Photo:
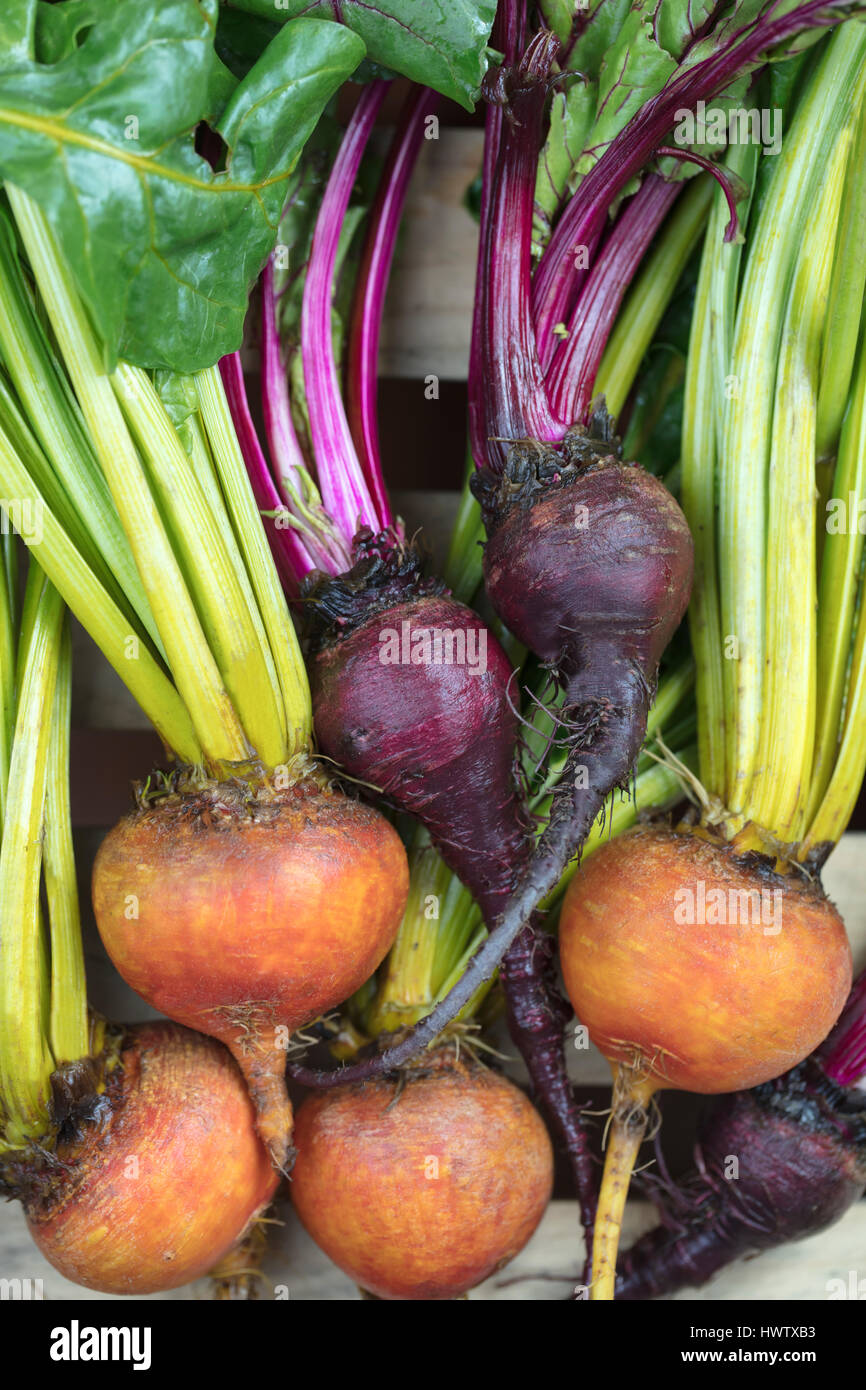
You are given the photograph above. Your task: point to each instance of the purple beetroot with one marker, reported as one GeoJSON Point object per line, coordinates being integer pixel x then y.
{"type": "Point", "coordinates": [589, 563]}
{"type": "Point", "coordinates": [411, 693]}
{"type": "Point", "coordinates": [800, 1148]}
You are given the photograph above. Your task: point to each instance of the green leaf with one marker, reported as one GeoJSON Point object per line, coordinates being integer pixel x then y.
{"type": "Point", "coordinates": [17, 24]}
{"type": "Point", "coordinates": [603, 21]}
{"type": "Point", "coordinates": [558, 16]}
{"type": "Point", "coordinates": [180, 398]}
{"type": "Point", "coordinates": [573, 110]}
{"type": "Point", "coordinates": [626, 54]}
{"type": "Point", "coordinates": [622, 65]}
{"type": "Point", "coordinates": [441, 43]}
{"type": "Point", "coordinates": [635, 68]}
{"type": "Point", "coordinates": [571, 117]}
{"type": "Point", "coordinates": [241, 39]}
{"type": "Point", "coordinates": [163, 250]}
{"type": "Point", "coordinates": [675, 24]}
{"type": "Point", "coordinates": [60, 29]}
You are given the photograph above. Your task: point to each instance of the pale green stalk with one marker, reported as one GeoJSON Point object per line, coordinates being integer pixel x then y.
{"type": "Point", "coordinates": [406, 990]}
{"type": "Point", "coordinates": [69, 1031]}
{"type": "Point", "coordinates": [840, 798]}
{"type": "Point", "coordinates": [787, 734]}
{"type": "Point", "coordinates": [205, 472]}
{"type": "Point", "coordinates": [7, 663]}
{"type": "Point", "coordinates": [846, 299]}
{"type": "Point", "coordinates": [840, 583]}
{"type": "Point", "coordinates": [706, 385]}
{"type": "Point", "coordinates": [462, 572]}
{"type": "Point", "coordinates": [253, 544]}
{"type": "Point", "coordinates": [25, 1060]}
{"type": "Point", "coordinates": [77, 490]}
{"type": "Point", "coordinates": [698, 458]}
{"type": "Point", "coordinates": [107, 625]}
{"type": "Point", "coordinates": [191, 662]}
{"type": "Point", "coordinates": [461, 922]}
{"type": "Point", "coordinates": [650, 294]}
{"type": "Point", "coordinates": [207, 566]}
{"type": "Point", "coordinates": [776, 239]}
{"type": "Point", "coordinates": [23, 440]}
{"type": "Point", "coordinates": [726, 262]}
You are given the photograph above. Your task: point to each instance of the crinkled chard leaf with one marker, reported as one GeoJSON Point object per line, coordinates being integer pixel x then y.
{"type": "Point", "coordinates": [622, 58]}
{"type": "Point", "coordinates": [635, 67]}
{"type": "Point", "coordinates": [441, 43]}
{"type": "Point", "coordinates": [165, 251]}
{"type": "Point", "coordinates": [676, 25]}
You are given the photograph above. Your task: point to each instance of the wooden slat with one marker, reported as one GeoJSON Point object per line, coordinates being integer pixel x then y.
{"type": "Point", "coordinates": [427, 321]}
{"type": "Point", "coordinates": [547, 1269]}
{"type": "Point", "coordinates": [428, 312]}
{"type": "Point", "coordinates": [103, 765]}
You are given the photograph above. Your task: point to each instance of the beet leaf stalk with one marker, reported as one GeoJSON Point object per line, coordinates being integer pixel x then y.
{"type": "Point", "coordinates": [45, 1038]}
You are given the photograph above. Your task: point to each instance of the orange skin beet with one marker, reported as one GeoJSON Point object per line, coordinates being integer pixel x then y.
{"type": "Point", "coordinates": [701, 1007]}
{"type": "Point", "coordinates": [424, 1193]}
{"type": "Point", "coordinates": [170, 1178]}
{"type": "Point", "coordinates": [248, 924]}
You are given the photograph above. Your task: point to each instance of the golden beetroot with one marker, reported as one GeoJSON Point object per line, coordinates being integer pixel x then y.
{"type": "Point", "coordinates": [248, 918]}
{"type": "Point", "coordinates": [423, 1187]}
{"type": "Point", "coordinates": [716, 1004]}
{"type": "Point", "coordinates": [169, 1177]}
{"type": "Point", "coordinates": [693, 968]}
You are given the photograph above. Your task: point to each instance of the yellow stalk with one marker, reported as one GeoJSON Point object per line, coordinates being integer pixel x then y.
{"type": "Point", "coordinates": [783, 765]}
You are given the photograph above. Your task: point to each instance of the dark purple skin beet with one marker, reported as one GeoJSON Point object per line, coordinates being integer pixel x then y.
{"type": "Point", "coordinates": [537, 1015]}
{"type": "Point", "coordinates": [800, 1142]}
{"type": "Point", "coordinates": [589, 563]}
{"type": "Point", "coordinates": [602, 556]}
{"type": "Point", "coordinates": [438, 738]}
